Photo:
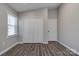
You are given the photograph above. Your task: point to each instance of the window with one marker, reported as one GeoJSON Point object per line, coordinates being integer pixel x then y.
{"type": "Point", "coordinates": [12, 22]}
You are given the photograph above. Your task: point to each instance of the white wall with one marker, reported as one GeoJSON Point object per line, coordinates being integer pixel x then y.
{"type": "Point", "coordinates": [52, 14]}
{"type": "Point", "coordinates": [45, 25]}
{"type": "Point", "coordinates": [34, 14]}
{"type": "Point", "coordinates": [68, 25]}
{"type": "Point", "coordinates": [5, 42]}
{"type": "Point", "coordinates": [52, 24]}
{"type": "Point", "coordinates": [48, 16]}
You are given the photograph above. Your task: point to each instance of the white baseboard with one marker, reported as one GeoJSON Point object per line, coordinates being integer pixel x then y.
{"type": "Point", "coordinates": [8, 48]}
{"type": "Point", "coordinates": [19, 42]}
{"type": "Point", "coordinates": [45, 42]}
{"type": "Point", "coordinates": [52, 40]}
{"type": "Point", "coordinates": [73, 50]}
{"type": "Point", "coordinates": [32, 42]}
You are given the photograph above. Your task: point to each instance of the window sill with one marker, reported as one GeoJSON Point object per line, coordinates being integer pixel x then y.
{"type": "Point", "coordinates": [12, 36]}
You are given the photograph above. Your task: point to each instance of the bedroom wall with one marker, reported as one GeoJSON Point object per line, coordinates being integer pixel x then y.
{"type": "Point", "coordinates": [5, 41]}
{"type": "Point", "coordinates": [29, 15]}
{"type": "Point", "coordinates": [68, 25]}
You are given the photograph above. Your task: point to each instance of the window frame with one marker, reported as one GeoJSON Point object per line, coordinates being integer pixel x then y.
{"type": "Point", "coordinates": [15, 26]}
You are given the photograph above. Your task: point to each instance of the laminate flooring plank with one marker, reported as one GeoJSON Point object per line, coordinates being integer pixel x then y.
{"type": "Point", "coordinates": [38, 49]}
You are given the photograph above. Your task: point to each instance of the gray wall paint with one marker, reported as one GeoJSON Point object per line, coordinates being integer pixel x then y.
{"type": "Point", "coordinates": [34, 14]}
{"type": "Point", "coordinates": [30, 15]}
{"type": "Point", "coordinates": [45, 25]}
{"type": "Point", "coordinates": [5, 42]}
{"type": "Point", "coordinates": [44, 14]}
{"type": "Point", "coordinates": [68, 25]}
{"type": "Point", "coordinates": [52, 14]}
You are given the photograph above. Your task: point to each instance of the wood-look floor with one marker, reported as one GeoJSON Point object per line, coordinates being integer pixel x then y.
{"type": "Point", "coordinates": [38, 49]}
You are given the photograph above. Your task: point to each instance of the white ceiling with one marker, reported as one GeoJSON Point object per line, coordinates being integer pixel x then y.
{"type": "Point", "coordinates": [21, 7]}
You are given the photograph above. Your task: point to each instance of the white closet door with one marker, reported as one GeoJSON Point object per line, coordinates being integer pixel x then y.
{"type": "Point", "coordinates": [52, 30]}
{"type": "Point", "coordinates": [33, 31]}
